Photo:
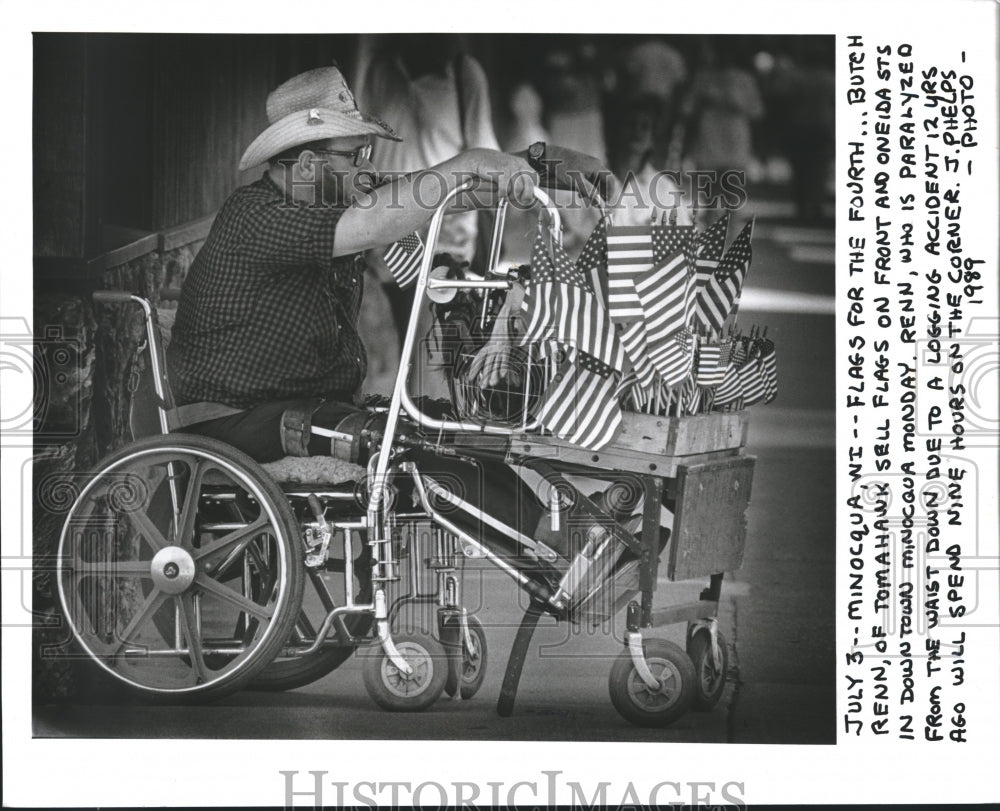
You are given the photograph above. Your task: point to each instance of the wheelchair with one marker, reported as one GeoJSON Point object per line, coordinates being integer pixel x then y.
{"type": "Point", "coordinates": [188, 571]}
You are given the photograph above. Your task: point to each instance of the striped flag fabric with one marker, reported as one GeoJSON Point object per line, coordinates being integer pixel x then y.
{"type": "Point", "coordinates": [752, 381]}
{"type": "Point", "coordinates": [711, 363]}
{"type": "Point", "coordinates": [540, 303]}
{"type": "Point", "coordinates": [665, 293]}
{"type": "Point", "coordinates": [562, 306]}
{"type": "Point", "coordinates": [630, 254]}
{"type": "Point", "coordinates": [769, 369]}
{"type": "Point", "coordinates": [637, 396]}
{"type": "Point", "coordinates": [741, 349]}
{"type": "Point", "coordinates": [593, 259]}
{"type": "Point", "coordinates": [579, 404]}
{"type": "Point", "coordinates": [633, 338]}
{"type": "Point", "coordinates": [673, 356]}
{"type": "Point", "coordinates": [710, 245]}
{"type": "Point", "coordinates": [717, 297]}
{"type": "Point", "coordinates": [671, 239]}
{"type": "Point", "coordinates": [729, 390]}
{"type": "Point", "coordinates": [403, 259]}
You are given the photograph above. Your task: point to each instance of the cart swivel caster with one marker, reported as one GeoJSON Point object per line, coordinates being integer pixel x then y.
{"type": "Point", "coordinates": [643, 704]}
{"type": "Point", "coordinates": [466, 655]}
{"type": "Point", "coordinates": [710, 666]}
{"type": "Point", "coordinates": [394, 690]}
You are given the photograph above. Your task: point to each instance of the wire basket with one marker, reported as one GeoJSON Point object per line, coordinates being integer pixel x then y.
{"type": "Point", "coordinates": [510, 401]}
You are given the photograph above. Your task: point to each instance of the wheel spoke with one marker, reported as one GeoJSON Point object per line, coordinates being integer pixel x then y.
{"type": "Point", "coordinates": [193, 635]}
{"type": "Point", "coordinates": [155, 599]}
{"type": "Point", "coordinates": [147, 529]}
{"type": "Point", "coordinates": [304, 628]}
{"type": "Point", "coordinates": [241, 536]}
{"type": "Point", "coordinates": [113, 568]}
{"type": "Point", "coordinates": [189, 510]}
{"type": "Point", "coordinates": [233, 596]}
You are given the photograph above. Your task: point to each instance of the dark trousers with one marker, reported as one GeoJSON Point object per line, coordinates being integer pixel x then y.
{"type": "Point", "coordinates": [481, 488]}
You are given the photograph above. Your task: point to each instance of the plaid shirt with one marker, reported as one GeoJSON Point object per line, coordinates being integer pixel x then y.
{"type": "Point", "coordinates": [266, 312]}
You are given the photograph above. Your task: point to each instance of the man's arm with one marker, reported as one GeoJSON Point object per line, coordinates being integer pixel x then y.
{"type": "Point", "coordinates": [403, 205]}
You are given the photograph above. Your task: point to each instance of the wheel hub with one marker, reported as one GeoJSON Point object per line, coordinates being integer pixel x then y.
{"type": "Point", "coordinates": [172, 569]}
{"type": "Point", "coordinates": [666, 690]}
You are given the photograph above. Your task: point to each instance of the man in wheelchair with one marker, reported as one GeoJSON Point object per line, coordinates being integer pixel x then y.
{"type": "Point", "coordinates": [266, 336]}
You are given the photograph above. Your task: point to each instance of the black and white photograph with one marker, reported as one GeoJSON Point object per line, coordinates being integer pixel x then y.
{"type": "Point", "coordinates": [591, 438]}
{"type": "Point", "coordinates": [434, 391]}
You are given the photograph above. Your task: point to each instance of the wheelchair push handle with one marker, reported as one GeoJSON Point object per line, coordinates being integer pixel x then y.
{"type": "Point", "coordinates": [114, 297]}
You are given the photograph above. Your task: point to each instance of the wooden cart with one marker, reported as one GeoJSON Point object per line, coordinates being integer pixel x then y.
{"type": "Point", "coordinates": [698, 466]}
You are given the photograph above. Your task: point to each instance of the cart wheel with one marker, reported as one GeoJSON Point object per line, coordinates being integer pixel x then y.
{"type": "Point", "coordinates": [466, 666]}
{"type": "Point", "coordinates": [645, 707]}
{"type": "Point", "coordinates": [395, 691]}
{"type": "Point", "coordinates": [290, 672]}
{"type": "Point", "coordinates": [168, 600]}
{"type": "Point", "coordinates": [710, 676]}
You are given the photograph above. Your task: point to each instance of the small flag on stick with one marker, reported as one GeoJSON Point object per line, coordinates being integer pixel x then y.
{"type": "Point", "coordinates": [403, 259]}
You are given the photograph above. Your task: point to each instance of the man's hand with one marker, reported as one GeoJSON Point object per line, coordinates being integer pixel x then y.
{"type": "Point", "coordinates": [510, 174]}
{"type": "Point", "coordinates": [568, 169]}
{"type": "Point", "coordinates": [496, 361]}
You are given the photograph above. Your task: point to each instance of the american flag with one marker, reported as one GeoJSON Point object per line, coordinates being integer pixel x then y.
{"type": "Point", "coordinates": [716, 299]}
{"type": "Point", "coordinates": [633, 337]}
{"type": "Point", "coordinates": [666, 294]}
{"type": "Point", "coordinates": [539, 303]}
{"type": "Point", "coordinates": [752, 381]}
{"type": "Point", "coordinates": [593, 259]}
{"type": "Point", "coordinates": [710, 367]}
{"type": "Point", "coordinates": [769, 368]}
{"type": "Point", "coordinates": [579, 404]}
{"type": "Point", "coordinates": [711, 244]}
{"type": "Point", "coordinates": [636, 396]}
{"type": "Point", "coordinates": [563, 307]}
{"type": "Point", "coordinates": [741, 349]}
{"type": "Point", "coordinates": [403, 259]}
{"type": "Point", "coordinates": [729, 390]}
{"type": "Point", "coordinates": [673, 356]}
{"type": "Point", "coordinates": [630, 254]}
{"type": "Point", "coordinates": [669, 239]}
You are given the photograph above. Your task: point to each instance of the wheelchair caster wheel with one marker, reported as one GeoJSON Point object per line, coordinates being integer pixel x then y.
{"type": "Point", "coordinates": [710, 675]}
{"type": "Point", "coordinates": [466, 664]}
{"type": "Point", "coordinates": [647, 706]}
{"type": "Point", "coordinates": [396, 691]}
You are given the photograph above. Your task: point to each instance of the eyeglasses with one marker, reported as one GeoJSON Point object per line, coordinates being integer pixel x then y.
{"type": "Point", "coordinates": [359, 155]}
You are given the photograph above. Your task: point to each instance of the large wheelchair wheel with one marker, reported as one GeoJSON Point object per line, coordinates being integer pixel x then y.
{"type": "Point", "coordinates": [292, 671]}
{"type": "Point", "coordinates": [166, 586]}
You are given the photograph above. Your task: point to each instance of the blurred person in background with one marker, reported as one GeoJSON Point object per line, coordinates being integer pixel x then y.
{"type": "Point", "coordinates": [641, 129]}
{"type": "Point", "coordinates": [526, 126]}
{"type": "Point", "coordinates": [721, 105]}
{"type": "Point", "coordinates": [571, 81]}
{"type": "Point", "coordinates": [437, 97]}
{"type": "Point", "coordinates": [801, 91]}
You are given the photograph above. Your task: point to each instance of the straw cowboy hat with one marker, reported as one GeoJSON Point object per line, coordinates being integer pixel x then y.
{"type": "Point", "coordinates": [312, 106]}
